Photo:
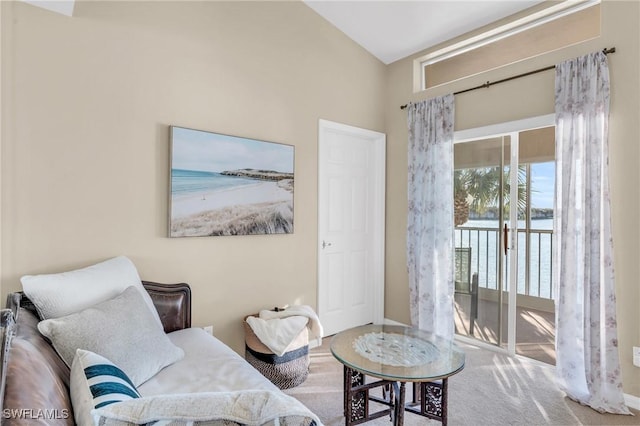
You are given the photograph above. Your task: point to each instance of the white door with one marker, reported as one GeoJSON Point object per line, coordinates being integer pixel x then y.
{"type": "Point", "coordinates": [351, 197]}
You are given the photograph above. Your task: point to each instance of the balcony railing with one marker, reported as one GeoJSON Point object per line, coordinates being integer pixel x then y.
{"type": "Point", "coordinates": [534, 258]}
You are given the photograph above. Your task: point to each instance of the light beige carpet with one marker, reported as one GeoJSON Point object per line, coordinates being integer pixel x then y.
{"type": "Point", "coordinates": [493, 389]}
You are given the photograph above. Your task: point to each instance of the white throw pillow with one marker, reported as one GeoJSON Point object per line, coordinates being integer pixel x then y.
{"type": "Point", "coordinates": [56, 295]}
{"type": "Point", "coordinates": [96, 382]}
{"type": "Point", "coordinates": [121, 329]}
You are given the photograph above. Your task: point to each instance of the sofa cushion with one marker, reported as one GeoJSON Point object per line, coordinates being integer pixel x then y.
{"type": "Point", "coordinates": [56, 295]}
{"type": "Point", "coordinates": [97, 382]}
{"type": "Point", "coordinates": [121, 329]}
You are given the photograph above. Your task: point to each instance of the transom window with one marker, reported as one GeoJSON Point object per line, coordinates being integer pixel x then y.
{"type": "Point", "coordinates": [544, 31]}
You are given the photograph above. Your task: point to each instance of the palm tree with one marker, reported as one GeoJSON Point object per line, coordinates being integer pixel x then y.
{"type": "Point", "coordinates": [479, 189]}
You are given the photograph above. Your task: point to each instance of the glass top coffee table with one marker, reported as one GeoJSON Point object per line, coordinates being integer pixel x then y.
{"type": "Point", "coordinates": [395, 355]}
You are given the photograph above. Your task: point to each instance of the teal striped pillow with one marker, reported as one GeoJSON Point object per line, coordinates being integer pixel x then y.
{"type": "Point", "coordinates": [97, 382]}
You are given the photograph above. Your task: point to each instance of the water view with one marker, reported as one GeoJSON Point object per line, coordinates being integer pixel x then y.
{"type": "Point", "coordinates": [477, 197]}
{"type": "Point", "coordinates": [483, 238]}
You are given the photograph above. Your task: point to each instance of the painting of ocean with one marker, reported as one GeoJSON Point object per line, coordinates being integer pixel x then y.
{"type": "Point", "coordinates": [228, 185]}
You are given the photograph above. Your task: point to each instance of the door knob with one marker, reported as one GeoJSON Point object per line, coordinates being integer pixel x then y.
{"type": "Point", "coordinates": [325, 244]}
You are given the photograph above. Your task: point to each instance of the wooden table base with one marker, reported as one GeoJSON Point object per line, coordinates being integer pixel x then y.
{"type": "Point", "coordinates": [429, 399]}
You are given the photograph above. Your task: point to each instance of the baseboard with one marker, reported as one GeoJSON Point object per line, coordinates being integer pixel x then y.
{"type": "Point", "coordinates": [314, 343]}
{"type": "Point", "coordinates": [388, 321]}
{"type": "Point", "coordinates": [632, 401]}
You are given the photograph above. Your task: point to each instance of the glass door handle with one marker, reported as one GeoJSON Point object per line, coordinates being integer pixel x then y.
{"type": "Point", "coordinates": [506, 238]}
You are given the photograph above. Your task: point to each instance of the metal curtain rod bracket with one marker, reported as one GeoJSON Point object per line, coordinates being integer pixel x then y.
{"type": "Point", "coordinates": [488, 84]}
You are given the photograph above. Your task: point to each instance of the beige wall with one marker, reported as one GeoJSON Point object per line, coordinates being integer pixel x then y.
{"type": "Point", "coordinates": [528, 97]}
{"type": "Point", "coordinates": [87, 102]}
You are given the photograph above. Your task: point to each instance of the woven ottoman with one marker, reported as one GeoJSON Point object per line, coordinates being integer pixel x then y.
{"type": "Point", "coordinates": [286, 371]}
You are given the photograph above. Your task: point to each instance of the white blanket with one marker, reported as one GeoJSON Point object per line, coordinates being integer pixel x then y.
{"type": "Point", "coordinates": [208, 366]}
{"type": "Point", "coordinates": [277, 330]}
{"type": "Point", "coordinates": [250, 407]}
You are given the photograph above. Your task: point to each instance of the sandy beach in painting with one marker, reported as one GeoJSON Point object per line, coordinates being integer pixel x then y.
{"type": "Point", "coordinates": [260, 192]}
{"type": "Point", "coordinates": [257, 208]}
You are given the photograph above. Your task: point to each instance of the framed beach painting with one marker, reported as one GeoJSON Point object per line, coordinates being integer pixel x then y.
{"type": "Point", "coordinates": [229, 185]}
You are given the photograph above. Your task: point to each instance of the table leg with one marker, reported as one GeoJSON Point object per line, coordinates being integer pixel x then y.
{"type": "Point", "coordinates": [416, 393]}
{"type": "Point", "coordinates": [357, 396]}
{"type": "Point", "coordinates": [434, 401]}
{"type": "Point", "coordinates": [346, 387]}
{"type": "Point", "coordinates": [399, 408]}
{"type": "Point", "coordinates": [355, 402]}
{"type": "Point", "coordinates": [445, 392]}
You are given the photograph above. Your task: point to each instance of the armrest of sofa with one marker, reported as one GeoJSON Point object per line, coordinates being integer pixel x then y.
{"type": "Point", "coordinates": [7, 325]}
{"type": "Point", "coordinates": [173, 302]}
{"type": "Point", "coordinates": [34, 379]}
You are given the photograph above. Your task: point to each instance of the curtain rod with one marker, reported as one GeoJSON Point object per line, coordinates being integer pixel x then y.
{"type": "Point", "coordinates": [606, 51]}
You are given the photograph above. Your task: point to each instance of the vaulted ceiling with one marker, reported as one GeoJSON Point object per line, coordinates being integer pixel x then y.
{"type": "Point", "coordinates": [392, 29]}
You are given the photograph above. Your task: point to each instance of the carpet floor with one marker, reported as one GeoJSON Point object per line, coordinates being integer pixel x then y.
{"type": "Point", "coordinates": [493, 389]}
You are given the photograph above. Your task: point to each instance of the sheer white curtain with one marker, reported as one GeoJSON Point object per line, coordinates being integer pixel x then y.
{"type": "Point", "coordinates": [430, 217]}
{"type": "Point", "coordinates": [586, 338]}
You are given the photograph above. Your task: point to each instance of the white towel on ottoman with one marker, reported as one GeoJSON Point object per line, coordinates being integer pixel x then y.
{"type": "Point", "coordinates": [278, 329]}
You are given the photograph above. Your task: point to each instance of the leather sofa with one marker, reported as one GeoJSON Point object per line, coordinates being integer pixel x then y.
{"type": "Point", "coordinates": [34, 383]}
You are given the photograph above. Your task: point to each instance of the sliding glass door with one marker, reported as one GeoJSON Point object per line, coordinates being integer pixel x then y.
{"type": "Point", "coordinates": [503, 196]}
{"type": "Point", "coordinates": [482, 214]}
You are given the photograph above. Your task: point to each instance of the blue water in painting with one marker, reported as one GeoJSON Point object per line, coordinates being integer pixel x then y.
{"type": "Point", "coordinates": [191, 182]}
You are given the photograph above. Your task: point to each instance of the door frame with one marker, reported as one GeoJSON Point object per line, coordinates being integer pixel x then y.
{"type": "Point", "coordinates": [377, 215]}
{"type": "Point", "coordinates": [511, 128]}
